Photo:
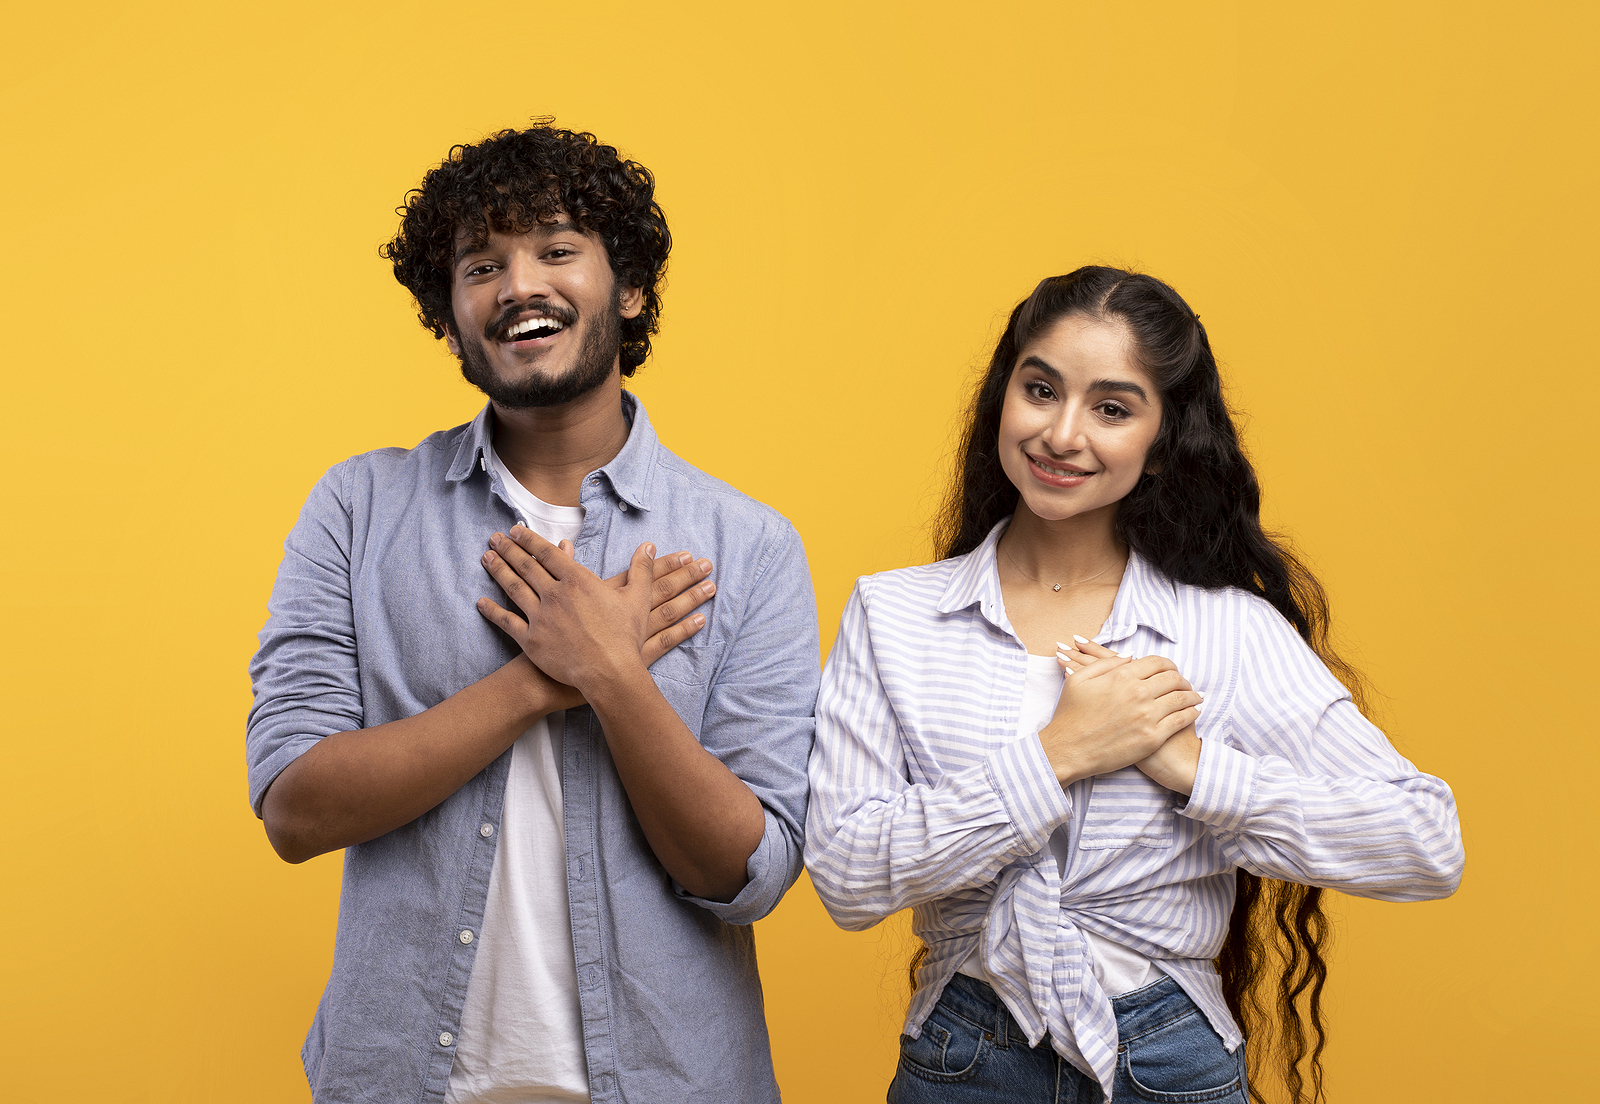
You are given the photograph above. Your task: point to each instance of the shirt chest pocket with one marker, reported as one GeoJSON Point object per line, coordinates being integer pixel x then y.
{"type": "Point", "coordinates": [1126, 809]}
{"type": "Point", "coordinates": [684, 676]}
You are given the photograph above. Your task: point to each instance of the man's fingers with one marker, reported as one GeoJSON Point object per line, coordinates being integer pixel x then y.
{"type": "Point", "coordinates": [511, 581]}
{"type": "Point", "coordinates": [641, 568]}
{"type": "Point", "coordinates": [551, 558]}
{"type": "Point", "coordinates": [674, 609]}
{"type": "Point", "coordinates": [503, 619]}
{"type": "Point", "coordinates": [674, 583]}
{"type": "Point", "coordinates": [659, 644]}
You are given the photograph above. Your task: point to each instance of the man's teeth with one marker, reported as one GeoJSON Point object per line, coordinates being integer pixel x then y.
{"type": "Point", "coordinates": [528, 325]}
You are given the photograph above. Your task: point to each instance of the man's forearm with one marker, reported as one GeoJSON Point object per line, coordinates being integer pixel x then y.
{"type": "Point", "coordinates": [700, 818]}
{"type": "Point", "coordinates": [355, 786]}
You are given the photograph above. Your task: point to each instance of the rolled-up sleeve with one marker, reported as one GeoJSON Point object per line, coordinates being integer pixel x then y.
{"type": "Point", "coordinates": [1300, 786]}
{"type": "Point", "coordinates": [304, 675]}
{"type": "Point", "coordinates": [877, 843]}
{"type": "Point", "coordinates": [758, 719]}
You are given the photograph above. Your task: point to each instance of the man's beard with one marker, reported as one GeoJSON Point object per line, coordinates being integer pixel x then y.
{"type": "Point", "coordinates": [602, 342]}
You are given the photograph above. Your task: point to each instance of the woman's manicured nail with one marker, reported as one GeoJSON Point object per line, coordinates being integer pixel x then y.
{"type": "Point", "coordinates": [1079, 639]}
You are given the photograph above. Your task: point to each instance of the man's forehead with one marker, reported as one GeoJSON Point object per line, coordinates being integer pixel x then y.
{"type": "Point", "coordinates": [478, 234]}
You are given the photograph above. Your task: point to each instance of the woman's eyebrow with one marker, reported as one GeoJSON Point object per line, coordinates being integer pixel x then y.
{"type": "Point", "coordinates": [1122, 387]}
{"type": "Point", "coordinates": [1033, 361]}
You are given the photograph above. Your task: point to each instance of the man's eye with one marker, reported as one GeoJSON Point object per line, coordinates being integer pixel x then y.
{"type": "Point", "coordinates": [479, 270]}
{"type": "Point", "coordinates": [559, 252]}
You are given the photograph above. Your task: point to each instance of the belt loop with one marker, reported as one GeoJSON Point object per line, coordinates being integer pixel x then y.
{"type": "Point", "coordinates": [1002, 1023]}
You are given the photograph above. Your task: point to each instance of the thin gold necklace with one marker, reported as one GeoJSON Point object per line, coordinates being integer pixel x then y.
{"type": "Point", "coordinates": [1056, 586]}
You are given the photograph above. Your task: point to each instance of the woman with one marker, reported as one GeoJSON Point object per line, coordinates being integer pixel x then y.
{"type": "Point", "coordinates": [1097, 747]}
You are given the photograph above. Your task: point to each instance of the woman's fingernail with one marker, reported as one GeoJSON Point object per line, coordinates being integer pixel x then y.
{"type": "Point", "coordinates": [1079, 639]}
{"type": "Point", "coordinates": [1125, 655]}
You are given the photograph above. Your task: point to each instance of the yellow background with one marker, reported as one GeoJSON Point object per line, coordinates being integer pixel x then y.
{"type": "Point", "coordinates": [1385, 214]}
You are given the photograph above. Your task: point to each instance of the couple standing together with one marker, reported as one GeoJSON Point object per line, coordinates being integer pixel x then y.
{"type": "Point", "coordinates": [1101, 747]}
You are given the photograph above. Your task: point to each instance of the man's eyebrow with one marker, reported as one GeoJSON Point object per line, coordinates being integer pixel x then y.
{"type": "Point", "coordinates": [473, 245]}
{"type": "Point", "coordinates": [1123, 387]}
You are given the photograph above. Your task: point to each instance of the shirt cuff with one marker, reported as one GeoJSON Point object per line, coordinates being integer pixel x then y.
{"type": "Point", "coordinates": [770, 874]}
{"type": "Point", "coordinates": [1026, 783]}
{"type": "Point", "coordinates": [1223, 785]}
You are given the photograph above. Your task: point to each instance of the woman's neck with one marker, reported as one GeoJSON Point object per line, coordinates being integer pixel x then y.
{"type": "Point", "coordinates": [1075, 550]}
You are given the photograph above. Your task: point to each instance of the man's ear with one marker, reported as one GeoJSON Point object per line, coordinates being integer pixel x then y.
{"type": "Point", "coordinates": [451, 340]}
{"type": "Point", "coordinates": [632, 302]}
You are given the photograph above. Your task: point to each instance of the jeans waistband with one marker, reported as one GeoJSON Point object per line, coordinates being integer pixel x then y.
{"type": "Point", "coordinates": [1143, 1009]}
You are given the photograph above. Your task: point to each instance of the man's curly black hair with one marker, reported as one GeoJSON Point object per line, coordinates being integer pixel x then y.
{"type": "Point", "coordinates": [516, 178]}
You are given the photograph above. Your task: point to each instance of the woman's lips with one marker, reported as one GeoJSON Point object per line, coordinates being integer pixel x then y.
{"type": "Point", "coordinates": [1053, 475]}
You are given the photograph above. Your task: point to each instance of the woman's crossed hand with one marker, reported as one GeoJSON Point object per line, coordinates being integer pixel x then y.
{"type": "Point", "coordinates": [1116, 712]}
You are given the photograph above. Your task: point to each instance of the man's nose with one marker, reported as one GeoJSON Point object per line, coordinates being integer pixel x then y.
{"type": "Point", "coordinates": [524, 279]}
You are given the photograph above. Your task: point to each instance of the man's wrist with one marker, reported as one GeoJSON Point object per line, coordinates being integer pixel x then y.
{"type": "Point", "coordinates": [616, 679]}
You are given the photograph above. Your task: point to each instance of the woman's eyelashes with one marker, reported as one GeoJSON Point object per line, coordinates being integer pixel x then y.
{"type": "Point", "coordinates": [1113, 410]}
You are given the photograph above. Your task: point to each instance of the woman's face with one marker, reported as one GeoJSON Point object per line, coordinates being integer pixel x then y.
{"type": "Point", "coordinates": [1079, 418]}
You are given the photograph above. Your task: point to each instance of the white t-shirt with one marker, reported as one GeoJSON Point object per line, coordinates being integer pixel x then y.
{"type": "Point", "coordinates": [1117, 969]}
{"type": "Point", "coordinates": [521, 1038]}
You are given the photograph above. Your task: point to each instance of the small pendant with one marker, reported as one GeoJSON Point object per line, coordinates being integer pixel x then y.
{"type": "Point", "coordinates": [1056, 587]}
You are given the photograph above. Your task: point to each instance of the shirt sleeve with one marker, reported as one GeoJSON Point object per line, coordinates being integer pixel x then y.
{"type": "Point", "coordinates": [758, 721]}
{"type": "Point", "coordinates": [875, 842]}
{"type": "Point", "coordinates": [1301, 787]}
{"type": "Point", "coordinates": [304, 675]}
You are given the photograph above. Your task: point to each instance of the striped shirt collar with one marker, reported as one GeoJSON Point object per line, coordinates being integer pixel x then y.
{"type": "Point", "coordinates": [1146, 597]}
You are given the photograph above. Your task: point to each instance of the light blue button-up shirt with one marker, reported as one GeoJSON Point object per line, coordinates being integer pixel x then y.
{"type": "Point", "coordinates": [373, 619]}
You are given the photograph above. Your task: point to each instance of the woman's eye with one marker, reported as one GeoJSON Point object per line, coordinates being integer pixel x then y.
{"type": "Point", "coordinates": [1040, 390]}
{"type": "Point", "coordinates": [1114, 410]}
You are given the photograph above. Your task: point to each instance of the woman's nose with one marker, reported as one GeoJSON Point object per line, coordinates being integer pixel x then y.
{"type": "Point", "coordinates": [1066, 433]}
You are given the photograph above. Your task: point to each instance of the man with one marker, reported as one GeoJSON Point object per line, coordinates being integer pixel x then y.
{"type": "Point", "coordinates": [562, 798]}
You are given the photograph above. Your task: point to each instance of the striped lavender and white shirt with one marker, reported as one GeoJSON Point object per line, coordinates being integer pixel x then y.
{"type": "Point", "coordinates": [923, 796]}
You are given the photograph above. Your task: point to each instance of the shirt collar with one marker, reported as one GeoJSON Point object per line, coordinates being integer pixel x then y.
{"type": "Point", "coordinates": [630, 472]}
{"type": "Point", "coordinates": [1146, 597]}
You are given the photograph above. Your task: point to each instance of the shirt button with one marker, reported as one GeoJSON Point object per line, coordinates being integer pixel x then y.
{"type": "Point", "coordinates": [623, 506]}
{"type": "Point", "coordinates": [485, 830]}
{"type": "Point", "coordinates": [465, 936]}
{"type": "Point", "coordinates": [445, 1038]}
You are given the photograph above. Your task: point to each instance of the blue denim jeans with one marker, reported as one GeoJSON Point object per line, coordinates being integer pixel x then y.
{"type": "Point", "coordinates": [972, 1052]}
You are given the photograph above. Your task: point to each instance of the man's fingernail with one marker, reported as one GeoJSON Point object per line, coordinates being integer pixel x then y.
{"type": "Point", "coordinates": [682, 558]}
{"type": "Point", "coordinates": [708, 589]}
{"type": "Point", "coordinates": [650, 550]}
{"type": "Point", "coordinates": [705, 565]}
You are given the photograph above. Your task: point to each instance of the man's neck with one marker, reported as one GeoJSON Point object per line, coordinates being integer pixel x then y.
{"type": "Point", "coordinates": [549, 449]}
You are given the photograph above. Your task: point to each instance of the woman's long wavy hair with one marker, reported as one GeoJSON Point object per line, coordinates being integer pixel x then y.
{"type": "Point", "coordinates": [1196, 516]}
